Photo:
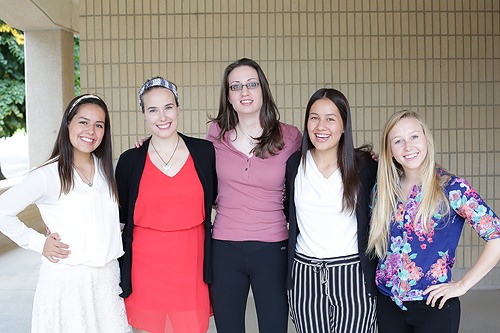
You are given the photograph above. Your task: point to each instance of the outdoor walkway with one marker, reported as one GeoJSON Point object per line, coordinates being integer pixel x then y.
{"type": "Point", "coordinates": [19, 274]}
{"type": "Point", "coordinates": [18, 278]}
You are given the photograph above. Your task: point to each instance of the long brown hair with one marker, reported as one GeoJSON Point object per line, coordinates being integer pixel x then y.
{"type": "Point", "coordinates": [63, 150]}
{"type": "Point", "coordinates": [346, 154]}
{"type": "Point", "coordinates": [271, 139]}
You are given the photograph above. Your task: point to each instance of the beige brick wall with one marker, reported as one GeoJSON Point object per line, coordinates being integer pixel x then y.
{"type": "Point", "coordinates": [438, 57]}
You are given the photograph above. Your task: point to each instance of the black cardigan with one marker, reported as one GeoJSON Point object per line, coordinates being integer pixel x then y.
{"type": "Point", "coordinates": [128, 176]}
{"type": "Point", "coordinates": [367, 169]}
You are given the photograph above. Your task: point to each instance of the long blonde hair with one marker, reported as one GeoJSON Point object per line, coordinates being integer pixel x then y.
{"type": "Point", "coordinates": [388, 190]}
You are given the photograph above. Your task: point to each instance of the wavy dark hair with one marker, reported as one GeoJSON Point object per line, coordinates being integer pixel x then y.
{"type": "Point", "coordinates": [63, 150]}
{"type": "Point", "coordinates": [271, 139]}
{"type": "Point", "coordinates": [346, 154]}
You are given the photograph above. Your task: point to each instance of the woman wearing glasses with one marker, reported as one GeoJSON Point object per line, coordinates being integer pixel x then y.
{"type": "Point", "coordinates": [250, 231]}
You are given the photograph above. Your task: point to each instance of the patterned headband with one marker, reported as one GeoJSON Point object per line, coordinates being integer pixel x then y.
{"type": "Point", "coordinates": [158, 82]}
{"type": "Point", "coordinates": [79, 100]}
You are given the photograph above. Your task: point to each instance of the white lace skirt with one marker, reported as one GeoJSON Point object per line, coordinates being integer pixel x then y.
{"type": "Point", "coordinates": [79, 299]}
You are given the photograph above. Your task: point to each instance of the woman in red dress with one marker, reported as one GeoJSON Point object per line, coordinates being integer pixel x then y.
{"type": "Point", "coordinates": [166, 190]}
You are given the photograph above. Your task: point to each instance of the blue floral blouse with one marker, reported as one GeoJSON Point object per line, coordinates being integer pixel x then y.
{"type": "Point", "coordinates": [416, 259]}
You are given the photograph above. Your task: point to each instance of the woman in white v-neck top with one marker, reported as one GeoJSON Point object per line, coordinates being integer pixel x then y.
{"type": "Point", "coordinates": [330, 280]}
{"type": "Point", "coordinates": [317, 197]}
{"type": "Point", "coordinates": [75, 191]}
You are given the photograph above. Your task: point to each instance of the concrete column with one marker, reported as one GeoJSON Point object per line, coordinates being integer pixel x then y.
{"type": "Point", "coordinates": [50, 85]}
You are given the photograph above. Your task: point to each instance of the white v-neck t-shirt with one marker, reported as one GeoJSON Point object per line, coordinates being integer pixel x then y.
{"type": "Point", "coordinates": [325, 231]}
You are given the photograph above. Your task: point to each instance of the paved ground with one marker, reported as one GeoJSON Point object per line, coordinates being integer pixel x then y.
{"type": "Point", "coordinates": [18, 278]}
{"type": "Point", "coordinates": [19, 274]}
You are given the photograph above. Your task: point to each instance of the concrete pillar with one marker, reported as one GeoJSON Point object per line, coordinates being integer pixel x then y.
{"type": "Point", "coordinates": [50, 85]}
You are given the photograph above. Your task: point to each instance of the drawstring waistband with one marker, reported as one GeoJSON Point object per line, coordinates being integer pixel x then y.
{"type": "Point", "coordinates": [321, 265]}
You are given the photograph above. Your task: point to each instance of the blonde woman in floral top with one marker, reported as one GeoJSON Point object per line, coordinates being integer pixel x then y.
{"type": "Point", "coordinates": [417, 220]}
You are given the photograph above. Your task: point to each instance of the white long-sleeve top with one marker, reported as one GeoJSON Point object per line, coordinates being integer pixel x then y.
{"type": "Point", "coordinates": [86, 218]}
{"type": "Point", "coordinates": [325, 231]}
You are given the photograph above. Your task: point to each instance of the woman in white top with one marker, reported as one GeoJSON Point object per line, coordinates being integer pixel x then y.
{"type": "Point", "coordinates": [76, 194]}
{"type": "Point", "coordinates": [330, 280]}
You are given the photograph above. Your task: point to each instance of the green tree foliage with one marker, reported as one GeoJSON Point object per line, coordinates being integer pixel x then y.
{"type": "Point", "coordinates": [76, 44]}
{"type": "Point", "coordinates": [12, 92]}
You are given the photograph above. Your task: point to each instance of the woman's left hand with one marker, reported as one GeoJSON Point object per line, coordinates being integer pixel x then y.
{"type": "Point", "coordinates": [486, 261]}
{"type": "Point", "coordinates": [445, 291]}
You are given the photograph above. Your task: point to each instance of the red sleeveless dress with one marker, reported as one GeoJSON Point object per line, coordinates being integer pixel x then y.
{"type": "Point", "coordinates": [168, 292]}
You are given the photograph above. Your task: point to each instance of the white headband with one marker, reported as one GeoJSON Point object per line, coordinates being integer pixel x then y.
{"type": "Point", "coordinates": [80, 99]}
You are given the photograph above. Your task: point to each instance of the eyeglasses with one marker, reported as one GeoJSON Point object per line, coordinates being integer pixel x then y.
{"type": "Point", "coordinates": [238, 87]}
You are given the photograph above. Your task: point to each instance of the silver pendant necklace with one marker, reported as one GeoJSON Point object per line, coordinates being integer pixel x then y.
{"type": "Point", "coordinates": [91, 172]}
{"type": "Point", "coordinates": [251, 142]}
{"type": "Point", "coordinates": [165, 165]}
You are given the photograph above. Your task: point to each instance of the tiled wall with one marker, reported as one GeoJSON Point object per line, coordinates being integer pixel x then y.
{"type": "Point", "coordinates": [438, 57]}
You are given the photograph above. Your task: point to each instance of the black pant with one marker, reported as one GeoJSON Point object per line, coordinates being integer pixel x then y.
{"type": "Point", "coordinates": [419, 318]}
{"type": "Point", "coordinates": [236, 266]}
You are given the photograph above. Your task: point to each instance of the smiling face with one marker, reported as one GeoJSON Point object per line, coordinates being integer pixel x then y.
{"type": "Point", "coordinates": [245, 101]}
{"type": "Point", "coordinates": [408, 144]}
{"type": "Point", "coordinates": [324, 125]}
{"type": "Point", "coordinates": [161, 112]}
{"type": "Point", "coordinates": [86, 128]}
